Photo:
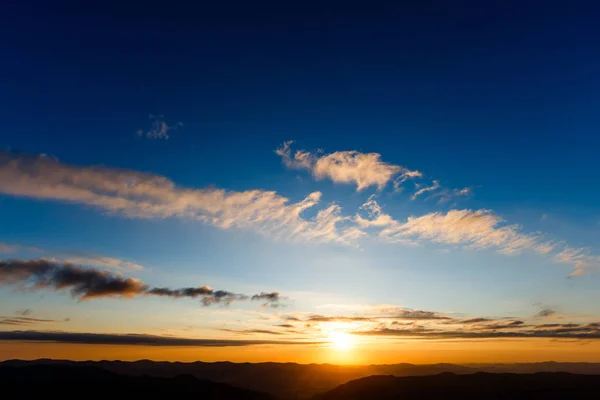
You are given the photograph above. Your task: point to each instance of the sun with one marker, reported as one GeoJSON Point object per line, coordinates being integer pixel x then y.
{"type": "Point", "coordinates": [340, 340]}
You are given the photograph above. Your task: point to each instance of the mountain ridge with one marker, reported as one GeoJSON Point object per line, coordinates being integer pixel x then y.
{"type": "Point", "coordinates": [479, 385]}
{"type": "Point", "coordinates": [300, 381]}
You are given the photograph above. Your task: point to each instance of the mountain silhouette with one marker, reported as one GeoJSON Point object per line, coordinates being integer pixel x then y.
{"type": "Point", "coordinates": [298, 381]}
{"type": "Point", "coordinates": [65, 382]}
{"type": "Point", "coordinates": [481, 385]}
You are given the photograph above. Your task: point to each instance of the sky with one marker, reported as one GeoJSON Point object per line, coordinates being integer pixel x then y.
{"type": "Point", "coordinates": [403, 182]}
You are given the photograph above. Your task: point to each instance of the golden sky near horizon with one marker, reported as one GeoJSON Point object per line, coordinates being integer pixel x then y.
{"type": "Point", "coordinates": [416, 352]}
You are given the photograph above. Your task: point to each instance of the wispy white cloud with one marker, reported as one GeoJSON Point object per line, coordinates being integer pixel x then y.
{"type": "Point", "coordinates": [435, 186]}
{"type": "Point", "coordinates": [375, 216]}
{"type": "Point", "coordinates": [446, 195]}
{"type": "Point", "coordinates": [364, 170]}
{"type": "Point", "coordinates": [140, 195]}
{"type": "Point", "coordinates": [476, 229]}
{"type": "Point", "coordinates": [159, 129]}
{"type": "Point", "coordinates": [581, 259]}
{"type": "Point", "coordinates": [473, 229]}
{"type": "Point", "coordinates": [353, 167]}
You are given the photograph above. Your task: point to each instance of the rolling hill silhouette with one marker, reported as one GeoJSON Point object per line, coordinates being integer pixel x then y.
{"type": "Point", "coordinates": [65, 382]}
{"type": "Point", "coordinates": [481, 385]}
{"type": "Point", "coordinates": [296, 381]}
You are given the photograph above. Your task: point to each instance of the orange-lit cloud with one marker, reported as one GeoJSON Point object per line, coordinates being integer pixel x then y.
{"type": "Point", "coordinates": [361, 169]}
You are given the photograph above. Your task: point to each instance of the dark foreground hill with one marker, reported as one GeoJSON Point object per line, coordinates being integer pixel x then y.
{"type": "Point", "coordinates": [481, 385]}
{"type": "Point", "coordinates": [63, 382]}
{"type": "Point", "coordinates": [299, 381]}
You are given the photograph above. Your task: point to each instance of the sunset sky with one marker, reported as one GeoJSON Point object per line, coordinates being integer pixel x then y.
{"type": "Point", "coordinates": [416, 182]}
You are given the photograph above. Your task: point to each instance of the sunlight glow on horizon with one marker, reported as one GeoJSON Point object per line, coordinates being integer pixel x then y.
{"type": "Point", "coordinates": [341, 340]}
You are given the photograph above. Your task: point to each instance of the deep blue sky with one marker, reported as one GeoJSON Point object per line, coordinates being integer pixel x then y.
{"type": "Point", "coordinates": [483, 91]}
{"type": "Point", "coordinates": [501, 97]}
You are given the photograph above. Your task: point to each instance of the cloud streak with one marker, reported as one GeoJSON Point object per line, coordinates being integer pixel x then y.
{"type": "Point", "coordinates": [252, 331]}
{"type": "Point", "coordinates": [140, 195]}
{"type": "Point", "coordinates": [134, 339]}
{"type": "Point", "coordinates": [86, 283]}
{"type": "Point", "coordinates": [23, 321]}
{"type": "Point", "coordinates": [588, 331]}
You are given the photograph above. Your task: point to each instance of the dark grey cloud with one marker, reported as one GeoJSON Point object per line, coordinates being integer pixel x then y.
{"type": "Point", "coordinates": [84, 283]}
{"type": "Point", "coordinates": [267, 296]}
{"type": "Point", "coordinates": [89, 283]}
{"type": "Point", "coordinates": [503, 325]}
{"type": "Point", "coordinates": [474, 321]}
{"type": "Point", "coordinates": [185, 292]}
{"type": "Point", "coordinates": [546, 312]}
{"type": "Point", "coordinates": [286, 326]}
{"type": "Point", "coordinates": [398, 323]}
{"type": "Point", "coordinates": [133, 339]}
{"type": "Point", "coordinates": [23, 321]}
{"type": "Point", "coordinates": [545, 326]}
{"type": "Point", "coordinates": [270, 299]}
{"type": "Point", "coordinates": [208, 295]}
{"type": "Point", "coordinates": [291, 318]}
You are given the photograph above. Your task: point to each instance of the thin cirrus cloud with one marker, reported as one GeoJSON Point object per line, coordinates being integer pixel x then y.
{"type": "Point", "coordinates": [472, 229]}
{"type": "Point", "coordinates": [87, 283]}
{"type": "Point", "coordinates": [352, 167]}
{"type": "Point", "coordinates": [139, 195]}
{"type": "Point", "coordinates": [443, 194]}
{"type": "Point", "coordinates": [435, 186]}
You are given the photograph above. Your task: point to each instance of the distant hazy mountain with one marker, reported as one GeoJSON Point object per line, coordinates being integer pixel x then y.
{"type": "Point", "coordinates": [478, 386]}
{"type": "Point", "coordinates": [297, 381]}
{"type": "Point", "coordinates": [67, 382]}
